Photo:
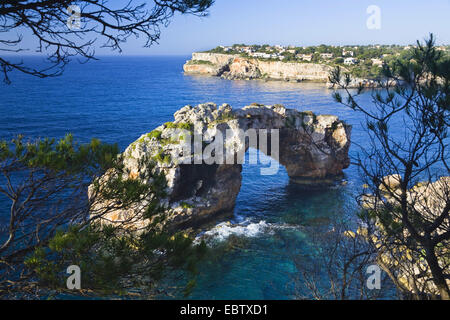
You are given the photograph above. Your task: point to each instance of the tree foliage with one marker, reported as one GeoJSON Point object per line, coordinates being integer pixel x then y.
{"type": "Point", "coordinates": [42, 26]}
{"type": "Point", "coordinates": [406, 200]}
{"type": "Point", "coordinates": [59, 194]}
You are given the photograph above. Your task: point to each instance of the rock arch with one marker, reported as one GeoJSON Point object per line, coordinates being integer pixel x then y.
{"type": "Point", "coordinates": [312, 148]}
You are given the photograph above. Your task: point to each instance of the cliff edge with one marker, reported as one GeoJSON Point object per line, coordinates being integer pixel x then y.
{"type": "Point", "coordinates": [236, 67]}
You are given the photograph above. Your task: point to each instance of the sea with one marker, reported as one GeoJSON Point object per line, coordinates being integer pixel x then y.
{"type": "Point", "coordinates": [255, 254]}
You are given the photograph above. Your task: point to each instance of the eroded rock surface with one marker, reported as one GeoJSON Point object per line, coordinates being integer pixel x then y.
{"type": "Point", "coordinates": [236, 67]}
{"type": "Point", "coordinates": [313, 149]}
{"type": "Point", "coordinates": [427, 200]}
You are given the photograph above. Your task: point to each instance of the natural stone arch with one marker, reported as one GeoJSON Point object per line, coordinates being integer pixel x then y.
{"type": "Point", "coordinates": [313, 149]}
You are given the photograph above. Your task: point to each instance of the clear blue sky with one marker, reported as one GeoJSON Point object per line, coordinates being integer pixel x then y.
{"type": "Point", "coordinates": [302, 22]}
{"type": "Point", "coordinates": [297, 22]}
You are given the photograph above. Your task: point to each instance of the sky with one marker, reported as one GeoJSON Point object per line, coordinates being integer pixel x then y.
{"type": "Point", "coordinates": [303, 22]}
{"type": "Point", "coordinates": [300, 23]}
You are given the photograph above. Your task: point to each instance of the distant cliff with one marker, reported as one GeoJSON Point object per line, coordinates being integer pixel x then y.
{"type": "Point", "coordinates": [236, 67]}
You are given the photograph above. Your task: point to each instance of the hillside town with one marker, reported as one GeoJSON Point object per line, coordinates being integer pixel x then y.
{"type": "Point", "coordinates": [363, 61]}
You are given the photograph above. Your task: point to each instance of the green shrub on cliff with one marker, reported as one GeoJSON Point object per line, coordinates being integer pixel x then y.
{"type": "Point", "coordinates": [161, 157]}
{"type": "Point", "coordinates": [186, 205]}
{"type": "Point", "coordinates": [204, 62]}
{"type": "Point", "coordinates": [224, 117]}
{"type": "Point", "coordinates": [181, 125]}
{"type": "Point", "coordinates": [154, 134]}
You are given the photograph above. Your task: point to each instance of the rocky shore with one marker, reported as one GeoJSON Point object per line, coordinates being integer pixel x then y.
{"type": "Point", "coordinates": [425, 198]}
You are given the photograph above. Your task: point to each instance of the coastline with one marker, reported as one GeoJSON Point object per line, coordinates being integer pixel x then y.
{"type": "Point", "coordinates": [236, 67]}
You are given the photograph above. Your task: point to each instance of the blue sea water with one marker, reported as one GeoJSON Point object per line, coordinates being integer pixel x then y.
{"type": "Point", "coordinates": [116, 99]}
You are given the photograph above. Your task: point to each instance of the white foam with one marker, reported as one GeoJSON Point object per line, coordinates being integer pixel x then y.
{"type": "Point", "coordinates": [224, 230]}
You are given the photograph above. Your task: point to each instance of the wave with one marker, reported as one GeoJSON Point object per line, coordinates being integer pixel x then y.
{"type": "Point", "coordinates": [246, 228]}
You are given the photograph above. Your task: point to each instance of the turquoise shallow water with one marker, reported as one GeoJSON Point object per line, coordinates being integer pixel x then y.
{"type": "Point", "coordinates": [118, 99]}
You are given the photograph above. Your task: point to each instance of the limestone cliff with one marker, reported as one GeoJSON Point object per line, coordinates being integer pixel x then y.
{"type": "Point", "coordinates": [213, 64]}
{"type": "Point", "coordinates": [236, 67]}
{"type": "Point", "coordinates": [313, 149]}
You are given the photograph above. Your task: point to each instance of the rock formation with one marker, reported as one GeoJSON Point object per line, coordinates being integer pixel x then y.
{"type": "Point", "coordinates": [236, 67]}
{"type": "Point", "coordinates": [313, 149]}
{"type": "Point", "coordinates": [427, 199]}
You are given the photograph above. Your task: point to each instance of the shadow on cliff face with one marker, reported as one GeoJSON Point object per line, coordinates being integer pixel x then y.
{"type": "Point", "coordinates": [197, 180]}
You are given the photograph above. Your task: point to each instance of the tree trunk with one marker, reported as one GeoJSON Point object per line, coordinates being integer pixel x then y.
{"type": "Point", "coordinates": [436, 271]}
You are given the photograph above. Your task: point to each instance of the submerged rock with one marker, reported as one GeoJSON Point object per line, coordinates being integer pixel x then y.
{"type": "Point", "coordinates": [202, 185]}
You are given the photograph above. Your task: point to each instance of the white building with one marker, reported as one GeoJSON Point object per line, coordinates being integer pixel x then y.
{"type": "Point", "coordinates": [326, 55]}
{"type": "Point", "coordinates": [350, 61]}
{"type": "Point", "coordinates": [261, 55]}
{"type": "Point", "coordinates": [246, 50]}
{"type": "Point", "coordinates": [347, 53]}
{"type": "Point", "coordinates": [305, 57]}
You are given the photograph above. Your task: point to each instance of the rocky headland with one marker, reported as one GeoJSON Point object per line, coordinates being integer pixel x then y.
{"type": "Point", "coordinates": [232, 67]}
{"type": "Point", "coordinates": [236, 67]}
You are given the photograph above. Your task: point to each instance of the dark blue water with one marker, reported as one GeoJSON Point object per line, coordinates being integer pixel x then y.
{"type": "Point", "coordinates": [118, 99]}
